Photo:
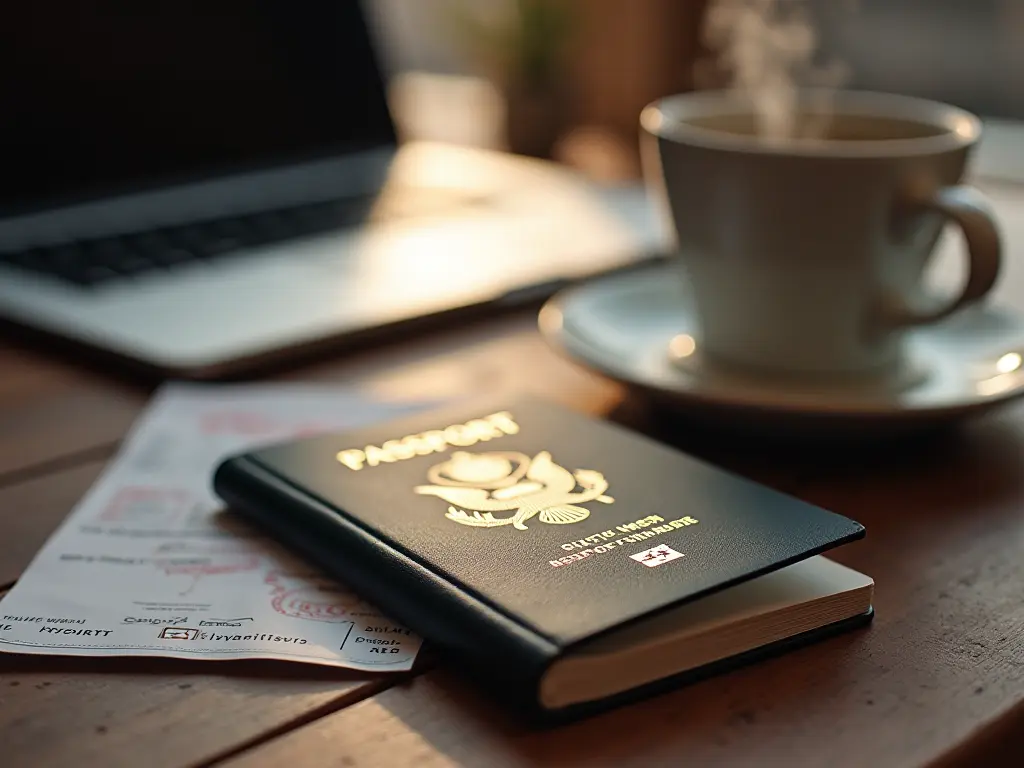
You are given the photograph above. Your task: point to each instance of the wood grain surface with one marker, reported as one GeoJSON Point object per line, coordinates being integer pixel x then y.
{"type": "Point", "coordinates": [939, 676]}
{"type": "Point", "coordinates": [87, 712]}
{"type": "Point", "coordinates": [50, 411]}
{"type": "Point", "coordinates": [158, 712]}
{"type": "Point", "coordinates": [944, 656]}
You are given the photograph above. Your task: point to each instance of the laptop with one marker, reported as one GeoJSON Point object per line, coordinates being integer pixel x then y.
{"type": "Point", "coordinates": [201, 189]}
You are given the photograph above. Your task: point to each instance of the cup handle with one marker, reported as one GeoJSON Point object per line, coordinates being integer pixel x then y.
{"type": "Point", "coordinates": [972, 213]}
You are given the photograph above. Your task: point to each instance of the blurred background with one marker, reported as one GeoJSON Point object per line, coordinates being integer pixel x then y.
{"type": "Point", "coordinates": [567, 78]}
{"type": "Point", "coordinates": [173, 170]}
{"type": "Point", "coordinates": [564, 79]}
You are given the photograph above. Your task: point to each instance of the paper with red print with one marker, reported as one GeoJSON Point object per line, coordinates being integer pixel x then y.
{"type": "Point", "coordinates": [149, 563]}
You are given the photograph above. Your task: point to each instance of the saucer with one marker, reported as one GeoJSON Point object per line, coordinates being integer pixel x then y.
{"type": "Point", "coordinates": [639, 329]}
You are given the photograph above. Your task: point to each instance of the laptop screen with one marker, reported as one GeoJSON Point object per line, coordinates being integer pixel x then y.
{"type": "Point", "coordinates": [110, 96]}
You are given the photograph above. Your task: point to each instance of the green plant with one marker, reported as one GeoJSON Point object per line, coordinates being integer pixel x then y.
{"type": "Point", "coordinates": [526, 47]}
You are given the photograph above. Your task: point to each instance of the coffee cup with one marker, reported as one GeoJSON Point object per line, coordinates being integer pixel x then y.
{"type": "Point", "coordinates": [807, 256]}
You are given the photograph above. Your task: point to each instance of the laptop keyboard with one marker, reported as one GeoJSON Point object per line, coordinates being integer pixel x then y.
{"type": "Point", "coordinates": [90, 263]}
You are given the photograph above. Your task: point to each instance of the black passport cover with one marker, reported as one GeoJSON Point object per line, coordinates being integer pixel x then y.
{"type": "Point", "coordinates": [502, 532]}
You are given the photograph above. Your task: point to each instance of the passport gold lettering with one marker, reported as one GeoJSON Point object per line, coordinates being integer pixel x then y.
{"type": "Point", "coordinates": [572, 558]}
{"type": "Point", "coordinates": [432, 441]}
{"type": "Point", "coordinates": [634, 526]}
{"type": "Point", "coordinates": [641, 523]}
{"type": "Point", "coordinates": [586, 548]}
{"type": "Point", "coordinates": [375, 455]}
{"type": "Point", "coordinates": [399, 450]}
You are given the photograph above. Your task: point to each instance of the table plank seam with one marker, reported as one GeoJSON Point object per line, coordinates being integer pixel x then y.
{"type": "Point", "coordinates": [58, 464]}
{"type": "Point", "coordinates": [331, 707]}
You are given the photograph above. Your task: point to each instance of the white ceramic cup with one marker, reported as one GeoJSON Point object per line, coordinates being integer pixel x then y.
{"type": "Point", "coordinates": [806, 257]}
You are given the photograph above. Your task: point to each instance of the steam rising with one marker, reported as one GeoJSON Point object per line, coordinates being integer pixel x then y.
{"type": "Point", "coordinates": [767, 49]}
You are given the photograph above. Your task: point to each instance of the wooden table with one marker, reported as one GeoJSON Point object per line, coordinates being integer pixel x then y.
{"type": "Point", "coordinates": [938, 678]}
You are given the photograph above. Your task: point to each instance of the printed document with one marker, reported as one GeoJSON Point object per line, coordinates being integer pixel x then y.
{"type": "Point", "coordinates": [150, 564]}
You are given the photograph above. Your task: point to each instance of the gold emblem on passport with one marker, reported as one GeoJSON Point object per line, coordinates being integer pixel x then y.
{"type": "Point", "coordinates": [480, 487]}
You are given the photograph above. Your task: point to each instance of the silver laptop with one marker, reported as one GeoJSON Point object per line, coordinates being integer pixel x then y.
{"type": "Point", "coordinates": [198, 189]}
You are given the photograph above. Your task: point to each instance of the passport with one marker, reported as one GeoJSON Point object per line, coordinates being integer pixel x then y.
{"type": "Point", "coordinates": [566, 563]}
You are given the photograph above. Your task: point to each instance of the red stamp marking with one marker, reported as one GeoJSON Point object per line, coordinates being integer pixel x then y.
{"type": "Point", "coordinates": [140, 504]}
{"type": "Point", "coordinates": [209, 568]}
{"type": "Point", "coordinates": [255, 425]}
{"type": "Point", "coordinates": [310, 603]}
{"type": "Point", "coordinates": [297, 598]}
{"type": "Point", "coordinates": [197, 564]}
{"type": "Point", "coordinates": [236, 423]}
